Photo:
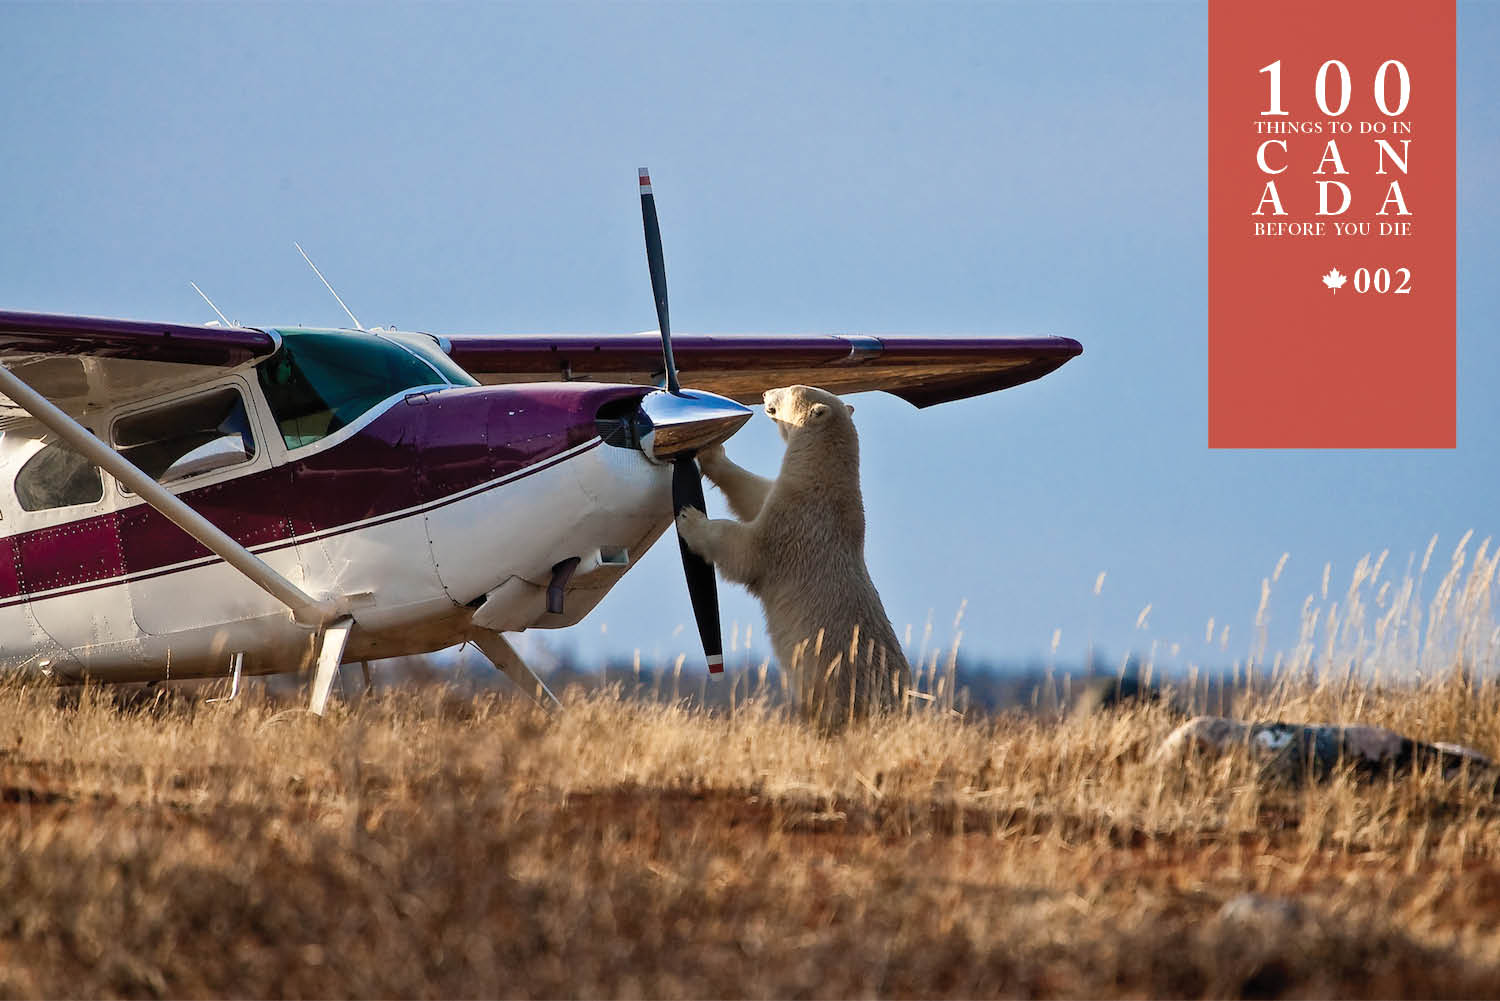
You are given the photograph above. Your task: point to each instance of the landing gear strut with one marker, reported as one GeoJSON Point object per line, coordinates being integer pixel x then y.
{"type": "Point", "coordinates": [500, 653]}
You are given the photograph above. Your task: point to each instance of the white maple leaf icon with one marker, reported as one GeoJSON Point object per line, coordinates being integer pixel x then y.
{"type": "Point", "coordinates": [1334, 280]}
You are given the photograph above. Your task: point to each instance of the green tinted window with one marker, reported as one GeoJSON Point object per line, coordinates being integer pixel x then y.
{"type": "Point", "coordinates": [320, 381]}
{"type": "Point", "coordinates": [428, 349]}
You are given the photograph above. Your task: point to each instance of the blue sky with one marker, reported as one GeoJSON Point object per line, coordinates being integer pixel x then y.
{"type": "Point", "coordinates": [902, 168]}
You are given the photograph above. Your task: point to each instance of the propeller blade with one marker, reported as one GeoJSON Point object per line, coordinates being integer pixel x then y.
{"type": "Point", "coordinates": [658, 265]}
{"type": "Point", "coordinates": [687, 491]}
{"type": "Point", "coordinates": [687, 487]}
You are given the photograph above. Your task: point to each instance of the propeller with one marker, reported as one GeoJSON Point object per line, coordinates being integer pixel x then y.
{"type": "Point", "coordinates": [687, 484]}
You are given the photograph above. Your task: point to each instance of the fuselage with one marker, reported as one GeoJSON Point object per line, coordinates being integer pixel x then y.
{"type": "Point", "coordinates": [357, 465]}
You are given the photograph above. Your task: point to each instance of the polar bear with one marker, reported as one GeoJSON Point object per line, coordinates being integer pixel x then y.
{"type": "Point", "coordinates": [799, 547]}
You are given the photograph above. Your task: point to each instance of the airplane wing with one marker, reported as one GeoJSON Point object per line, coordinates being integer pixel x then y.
{"type": "Point", "coordinates": [80, 362]}
{"type": "Point", "coordinates": [86, 362]}
{"type": "Point", "coordinates": [921, 370]}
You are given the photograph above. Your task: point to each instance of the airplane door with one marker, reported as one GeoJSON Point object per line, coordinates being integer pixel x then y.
{"type": "Point", "coordinates": [177, 585]}
{"type": "Point", "coordinates": [206, 447]}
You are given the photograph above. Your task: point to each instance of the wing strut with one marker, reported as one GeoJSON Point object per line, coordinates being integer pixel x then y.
{"type": "Point", "coordinates": [307, 609]}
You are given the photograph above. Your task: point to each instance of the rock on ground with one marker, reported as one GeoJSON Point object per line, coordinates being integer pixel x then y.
{"type": "Point", "coordinates": [1298, 751]}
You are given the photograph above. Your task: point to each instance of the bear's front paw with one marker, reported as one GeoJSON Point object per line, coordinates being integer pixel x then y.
{"type": "Point", "coordinates": [692, 526]}
{"type": "Point", "coordinates": [711, 460]}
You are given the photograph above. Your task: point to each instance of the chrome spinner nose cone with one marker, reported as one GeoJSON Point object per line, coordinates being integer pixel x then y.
{"type": "Point", "coordinates": [682, 423]}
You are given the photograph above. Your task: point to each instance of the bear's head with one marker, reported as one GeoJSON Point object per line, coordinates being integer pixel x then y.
{"type": "Point", "coordinates": [800, 409]}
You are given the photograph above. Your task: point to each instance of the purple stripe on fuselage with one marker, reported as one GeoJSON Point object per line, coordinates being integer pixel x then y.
{"type": "Point", "coordinates": [340, 530]}
{"type": "Point", "coordinates": [422, 450]}
{"type": "Point", "coordinates": [74, 553]}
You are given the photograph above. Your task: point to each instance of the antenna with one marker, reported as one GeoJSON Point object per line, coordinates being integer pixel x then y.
{"type": "Point", "coordinates": [326, 285]}
{"type": "Point", "coordinates": [227, 321]}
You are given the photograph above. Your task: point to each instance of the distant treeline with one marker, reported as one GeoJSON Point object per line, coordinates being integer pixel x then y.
{"type": "Point", "coordinates": [979, 685]}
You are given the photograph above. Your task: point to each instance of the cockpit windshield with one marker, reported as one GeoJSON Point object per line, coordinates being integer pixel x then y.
{"type": "Point", "coordinates": [434, 356]}
{"type": "Point", "coordinates": [320, 381]}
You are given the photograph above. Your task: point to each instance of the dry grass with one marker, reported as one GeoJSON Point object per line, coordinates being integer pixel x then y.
{"type": "Point", "coordinates": [419, 844]}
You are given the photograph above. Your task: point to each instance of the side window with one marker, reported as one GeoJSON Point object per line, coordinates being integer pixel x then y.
{"type": "Point", "coordinates": [188, 437]}
{"type": "Point", "coordinates": [57, 476]}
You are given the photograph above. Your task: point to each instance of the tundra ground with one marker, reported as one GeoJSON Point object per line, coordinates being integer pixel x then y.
{"type": "Point", "coordinates": [420, 844]}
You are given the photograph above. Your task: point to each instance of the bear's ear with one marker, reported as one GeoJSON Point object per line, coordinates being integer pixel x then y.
{"type": "Point", "coordinates": [818, 411]}
{"type": "Point", "coordinates": [851, 407]}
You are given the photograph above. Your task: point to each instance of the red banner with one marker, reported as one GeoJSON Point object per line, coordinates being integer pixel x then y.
{"type": "Point", "coordinates": [1331, 270]}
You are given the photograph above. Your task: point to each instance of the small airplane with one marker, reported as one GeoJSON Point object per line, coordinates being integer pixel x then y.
{"type": "Point", "coordinates": [186, 501]}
